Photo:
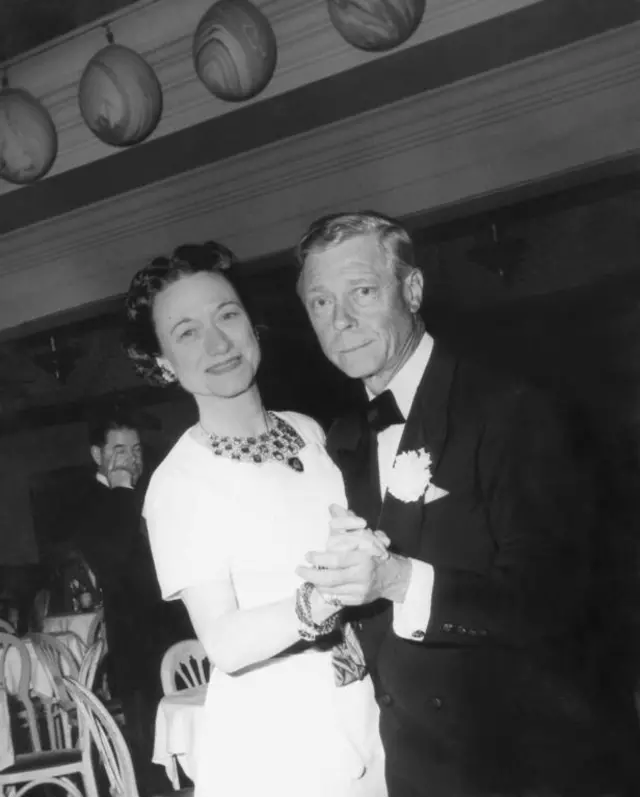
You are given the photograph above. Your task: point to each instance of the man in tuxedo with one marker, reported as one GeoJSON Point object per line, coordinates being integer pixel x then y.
{"type": "Point", "coordinates": [472, 625]}
{"type": "Point", "coordinates": [109, 537]}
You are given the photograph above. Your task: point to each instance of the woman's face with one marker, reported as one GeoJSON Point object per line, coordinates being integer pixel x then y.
{"type": "Point", "coordinates": [206, 338]}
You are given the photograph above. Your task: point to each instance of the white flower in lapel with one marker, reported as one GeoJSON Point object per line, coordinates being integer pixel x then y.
{"type": "Point", "coordinates": [410, 475]}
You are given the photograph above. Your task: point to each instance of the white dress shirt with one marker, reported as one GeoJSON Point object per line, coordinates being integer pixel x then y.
{"type": "Point", "coordinates": [410, 618]}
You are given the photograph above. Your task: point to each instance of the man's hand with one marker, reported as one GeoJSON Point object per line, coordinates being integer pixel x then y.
{"type": "Point", "coordinates": [349, 532]}
{"type": "Point", "coordinates": [122, 471]}
{"type": "Point", "coordinates": [357, 567]}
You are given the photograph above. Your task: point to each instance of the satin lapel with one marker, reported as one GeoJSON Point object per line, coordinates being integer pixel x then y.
{"type": "Point", "coordinates": [426, 428]}
{"type": "Point", "coordinates": [359, 466]}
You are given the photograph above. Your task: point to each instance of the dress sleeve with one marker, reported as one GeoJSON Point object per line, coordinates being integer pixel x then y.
{"type": "Point", "coordinates": [188, 529]}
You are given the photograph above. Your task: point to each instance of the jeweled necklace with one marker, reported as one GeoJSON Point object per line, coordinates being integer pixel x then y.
{"type": "Point", "coordinates": [280, 443]}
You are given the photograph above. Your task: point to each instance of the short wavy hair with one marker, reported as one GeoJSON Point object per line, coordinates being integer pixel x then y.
{"type": "Point", "coordinates": [140, 338]}
{"type": "Point", "coordinates": [335, 228]}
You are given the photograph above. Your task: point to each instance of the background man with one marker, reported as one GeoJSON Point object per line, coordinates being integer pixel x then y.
{"type": "Point", "coordinates": [108, 537]}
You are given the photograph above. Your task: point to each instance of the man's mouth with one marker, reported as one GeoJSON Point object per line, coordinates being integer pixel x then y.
{"type": "Point", "coordinates": [357, 347]}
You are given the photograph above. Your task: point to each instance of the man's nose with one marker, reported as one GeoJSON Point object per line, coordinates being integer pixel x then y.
{"type": "Point", "coordinates": [216, 342]}
{"type": "Point", "coordinates": [343, 318]}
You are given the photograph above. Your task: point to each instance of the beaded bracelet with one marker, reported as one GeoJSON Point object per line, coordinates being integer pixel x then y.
{"type": "Point", "coordinates": [308, 629]}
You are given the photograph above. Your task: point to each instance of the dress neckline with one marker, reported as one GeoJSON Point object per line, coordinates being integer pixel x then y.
{"type": "Point", "coordinates": [281, 444]}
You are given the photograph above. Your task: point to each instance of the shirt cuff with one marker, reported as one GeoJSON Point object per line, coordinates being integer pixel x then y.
{"type": "Point", "coordinates": [411, 618]}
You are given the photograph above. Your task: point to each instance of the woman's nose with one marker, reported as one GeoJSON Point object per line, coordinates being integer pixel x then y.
{"type": "Point", "coordinates": [216, 342]}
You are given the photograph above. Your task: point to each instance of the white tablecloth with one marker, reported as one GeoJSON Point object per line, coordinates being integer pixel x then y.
{"type": "Point", "coordinates": [177, 724]}
{"type": "Point", "coordinates": [79, 623]}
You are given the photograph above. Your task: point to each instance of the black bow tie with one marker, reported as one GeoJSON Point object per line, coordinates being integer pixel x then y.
{"type": "Point", "coordinates": [383, 412]}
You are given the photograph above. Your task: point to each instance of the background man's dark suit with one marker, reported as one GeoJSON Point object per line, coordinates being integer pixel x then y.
{"type": "Point", "coordinates": [496, 694]}
{"type": "Point", "coordinates": [140, 627]}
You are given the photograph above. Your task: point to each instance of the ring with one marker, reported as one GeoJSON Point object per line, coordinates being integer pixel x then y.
{"type": "Point", "coordinates": [334, 600]}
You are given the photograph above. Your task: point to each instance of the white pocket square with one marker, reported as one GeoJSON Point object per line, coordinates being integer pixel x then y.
{"type": "Point", "coordinates": [434, 492]}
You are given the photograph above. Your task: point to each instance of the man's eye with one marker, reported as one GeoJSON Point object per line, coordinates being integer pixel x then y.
{"type": "Point", "coordinates": [365, 292]}
{"type": "Point", "coordinates": [186, 334]}
{"type": "Point", "coordinates": [319, 304]}
{"type": "Point", "coordinates": [230, 314]}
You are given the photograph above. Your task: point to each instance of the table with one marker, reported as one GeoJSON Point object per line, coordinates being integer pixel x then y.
{"type": "Point", "coordinates": [177, 724]}
{"type": "Point", "coordinates": [78, 622]}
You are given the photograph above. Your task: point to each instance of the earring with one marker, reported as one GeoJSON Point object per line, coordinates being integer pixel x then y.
{"type": "Point", "coordinates": [167, 375]}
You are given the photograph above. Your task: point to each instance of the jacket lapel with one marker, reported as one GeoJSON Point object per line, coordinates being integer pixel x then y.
{"type": "Point", "coordinates": [426, 428]}
{"type": "Point", "coordinates": [353, 450]}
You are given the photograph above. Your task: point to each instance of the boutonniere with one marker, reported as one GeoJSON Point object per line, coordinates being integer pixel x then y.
{"type": "Point", "coordinates": [410, 475]}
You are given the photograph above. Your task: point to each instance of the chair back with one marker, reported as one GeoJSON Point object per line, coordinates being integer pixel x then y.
{"type": "Point", "coordinates": [6, 627]}
{"type": "Point", "coordinates": [11, 643]}
{"type": "Point", "coordinates": [98, 727]}
{"type": "Point", "coordinates": [97, 629]}
{"type": "Point", "coordinates": [90, 663]}
{"type": "Point", "coordinates": [184, 666]}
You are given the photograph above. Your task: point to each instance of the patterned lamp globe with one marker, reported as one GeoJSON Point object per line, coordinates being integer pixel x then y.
{"type": "Point", "coordinates": [28, 138]}
{"type": "Point", "coordinates": [376, 25]}
{"type": "Point", "coordinates": [120, 97]}
{"type": "Point", "coordinates": [234, 50]}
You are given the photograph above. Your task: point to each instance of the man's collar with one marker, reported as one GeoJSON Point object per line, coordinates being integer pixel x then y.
{"type": "Point", "coordinates": [405, 383]}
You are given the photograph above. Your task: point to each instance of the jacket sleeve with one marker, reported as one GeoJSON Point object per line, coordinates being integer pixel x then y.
{"type": "Point", "coordinates": [536, 499]}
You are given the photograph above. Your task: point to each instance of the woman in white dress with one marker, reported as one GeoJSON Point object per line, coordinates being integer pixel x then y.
{"type": "Point", "coordinates": [232, 511]}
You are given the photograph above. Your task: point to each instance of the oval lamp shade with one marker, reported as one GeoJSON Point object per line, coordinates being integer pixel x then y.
{"type": "Point", "coordinates": [120, 97]}
{"type": "Point", "coordinates": [234, 50]}
{"type": "Point", "coordinates": [376, 25]}
{"type": "Point", "coordinates": [28, 137]}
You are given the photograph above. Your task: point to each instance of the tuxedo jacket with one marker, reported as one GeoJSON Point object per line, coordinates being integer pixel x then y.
{"type": "Point", "coordinates": [490, 699]}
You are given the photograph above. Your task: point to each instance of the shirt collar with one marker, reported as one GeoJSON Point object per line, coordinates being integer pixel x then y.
{"type": "Point", "coordinates": [404, 384]}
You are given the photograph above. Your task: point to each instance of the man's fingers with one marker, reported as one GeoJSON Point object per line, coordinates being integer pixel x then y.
{"type": "Point", "coordinates": [328, 579]}
{"type": "Point", "coordinates": [335, 560]}
{"type": "Point", "coordinates": [347, 523]}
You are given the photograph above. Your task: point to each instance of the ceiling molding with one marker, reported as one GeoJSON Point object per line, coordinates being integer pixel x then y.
{"type": "Point", "coordinates": [548, 115]}
{"type": "Point", "coordinates": [309, 49]}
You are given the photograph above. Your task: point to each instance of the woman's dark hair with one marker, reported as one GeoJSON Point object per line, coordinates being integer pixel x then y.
{"type": "Point", "coordinates": [140, 339]}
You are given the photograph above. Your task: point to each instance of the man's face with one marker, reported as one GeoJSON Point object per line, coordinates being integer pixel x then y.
{"type": "Point", "coordinates": [361, 312]}
{"type": "Point", "coordinates": [121, 454]}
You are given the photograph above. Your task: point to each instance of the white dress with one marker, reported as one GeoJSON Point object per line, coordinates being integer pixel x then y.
{"type": "Point", "coordinates": [281, 728]}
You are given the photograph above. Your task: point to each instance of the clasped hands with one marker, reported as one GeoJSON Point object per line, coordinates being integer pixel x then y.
{"type": "Point", "coordinates": [356, 568]}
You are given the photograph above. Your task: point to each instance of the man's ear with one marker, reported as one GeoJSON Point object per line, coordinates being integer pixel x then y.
{"type": "Point", "coordinates": [96, 455]}
{"type": "Point", "coordinates": [412, 289]}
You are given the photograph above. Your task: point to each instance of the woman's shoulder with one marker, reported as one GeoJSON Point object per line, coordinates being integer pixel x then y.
{"type": "Point", "coordinates": [308, 428]}
{"type": "Point", "coordinates": [183, 462]}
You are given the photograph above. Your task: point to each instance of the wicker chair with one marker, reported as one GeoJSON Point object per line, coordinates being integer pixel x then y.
{"type": "Point", "coordinates": [57, 753]}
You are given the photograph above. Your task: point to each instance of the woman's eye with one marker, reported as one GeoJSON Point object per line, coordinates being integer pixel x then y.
{"type": "Point", "coordinates": [186, 334]}
{"type": "Point", "coordinates": [230, 314]}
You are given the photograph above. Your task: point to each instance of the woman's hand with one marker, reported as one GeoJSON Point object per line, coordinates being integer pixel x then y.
{"type": "Point", "coordinates": [348, 532]}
